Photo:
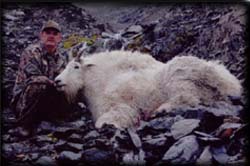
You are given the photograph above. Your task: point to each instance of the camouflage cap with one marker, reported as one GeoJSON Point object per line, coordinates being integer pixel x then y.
{"type": "Point", "coordinates": [51, 24]}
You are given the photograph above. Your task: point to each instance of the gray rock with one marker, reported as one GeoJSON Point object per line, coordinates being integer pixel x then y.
{"type": "Point", "coordinates": [7, 148]}
{"type": "Point", "coordinates": [237, 159]}
{"type": "Point", "coordinates": [47, 148]}
{"type": "Point", "coordinates": [10, 17]}
{"type": "Point", "coordinates": [19, 132]}
{"type": "Point", "coordinates": [205, 157]}
{"type": "Point", "coordinates": [206, 115]}
{"type": "Point", "coordinates": [97, 157]}
{"type": "Point", "coordinates": [184, 127]}
{"type": "Point", "coordinates": [91, 135]}
{"type": "Point", "coordinates": [134, 29]}
{"type": "Point", "coordinates": [45, 128]}
{"type": "Point", "coordinates": [76, 138]}
{"type": "Point", "coordinates": [6, 138]}
{"type": "Point", "coordinates": [135, 138]}
{"type": "Point", "coordinates": [68, 146]}
{"type": "Point", "coordinates": [77, 124]}
{"type": "Point", "coordinates": [44, 139]}
{"type": "Point", "coordinates": [163, 123]}
{"type": "Point", "coordinates": [133, 159]}
{"type": "Point", "coordinates": [68, 156]}
{"type": "Point", "coordinates": [45, 160]}
{"type": "Point", "coordinates": [17, 147]}
{"type": "Point", "coordinates": [220, 155]}
{"type": "Point", "coordinates": [155, 142]}
{"type": "Point", "coordinates": [64, 132]}
{"type": "Point", "coordinates": [185, 150]}
{"type": "Point", "coordinates": [33, 156]}
{"type": "Point", "coordinates": [76, 146]}
{"type": "Point", "coordinates": [228, 125]}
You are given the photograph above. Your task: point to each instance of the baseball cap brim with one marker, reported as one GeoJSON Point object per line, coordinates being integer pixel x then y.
{"type": "Point", "coordinates": [51, 25]}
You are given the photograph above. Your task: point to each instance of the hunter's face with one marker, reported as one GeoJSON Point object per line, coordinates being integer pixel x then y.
{"type": "Point", "coordinates": [50, 38]}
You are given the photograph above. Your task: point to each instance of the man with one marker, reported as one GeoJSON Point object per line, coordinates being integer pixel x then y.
{"type": "Point", "coordinates": [34, 95]}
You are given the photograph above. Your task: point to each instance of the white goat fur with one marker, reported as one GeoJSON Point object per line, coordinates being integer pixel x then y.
{"type": "Point", "coordinates": [120, 84]}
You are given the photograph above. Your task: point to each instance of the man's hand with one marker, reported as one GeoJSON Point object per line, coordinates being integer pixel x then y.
{"type": "Point", "coordinates": [43, 80]}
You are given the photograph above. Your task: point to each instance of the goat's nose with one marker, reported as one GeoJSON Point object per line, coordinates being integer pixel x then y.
{"type": "Point", "coordinates": [57, 81]}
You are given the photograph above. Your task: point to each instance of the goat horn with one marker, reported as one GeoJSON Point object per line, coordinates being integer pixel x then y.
{"type": "Point", "coordinates": [78, 55]}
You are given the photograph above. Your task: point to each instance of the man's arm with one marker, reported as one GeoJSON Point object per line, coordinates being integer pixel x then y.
{"type": "Point", "coordinates": [30, 68]}
{"type": "Point", "coordinates": [29, 72]}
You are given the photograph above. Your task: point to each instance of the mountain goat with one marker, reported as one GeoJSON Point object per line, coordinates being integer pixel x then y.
{"type": "Point", "coordinates": [119, 85]}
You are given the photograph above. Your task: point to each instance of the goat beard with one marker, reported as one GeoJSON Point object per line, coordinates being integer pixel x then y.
{"type": "Point", "coordinates": [73, 96]}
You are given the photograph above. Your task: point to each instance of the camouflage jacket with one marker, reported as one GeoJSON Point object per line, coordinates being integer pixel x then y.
{"type": "Point", "coordinates": [36, 66]}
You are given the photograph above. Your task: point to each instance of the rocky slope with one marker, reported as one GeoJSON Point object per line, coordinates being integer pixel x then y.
{"type": "Point", "coordinates": [209, 31]}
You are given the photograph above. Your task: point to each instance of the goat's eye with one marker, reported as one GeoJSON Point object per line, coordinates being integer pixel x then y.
{"type": "Point", "coordinates": [76, 67]}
